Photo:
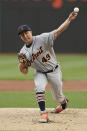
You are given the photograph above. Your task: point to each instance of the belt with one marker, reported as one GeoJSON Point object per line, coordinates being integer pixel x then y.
{"type": "Point", "coordinates": [51, 70]}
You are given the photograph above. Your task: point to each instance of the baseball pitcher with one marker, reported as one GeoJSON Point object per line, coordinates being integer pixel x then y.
{"type": "Point", "coordinates": [38, 53]}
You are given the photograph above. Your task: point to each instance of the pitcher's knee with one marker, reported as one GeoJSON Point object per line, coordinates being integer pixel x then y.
{"type": "Point", "coordinates": [39, 89]}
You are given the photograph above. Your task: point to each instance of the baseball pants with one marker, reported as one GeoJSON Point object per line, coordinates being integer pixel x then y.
{"type": "Point", "coordinates": [54, 78]}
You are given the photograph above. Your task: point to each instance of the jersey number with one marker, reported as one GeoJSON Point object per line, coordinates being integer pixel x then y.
{"type": "Point", "coordinates": [46, 58]}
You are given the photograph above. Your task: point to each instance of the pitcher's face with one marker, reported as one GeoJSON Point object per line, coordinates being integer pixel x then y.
{"type": "Point", "coordinates": [26, 37]}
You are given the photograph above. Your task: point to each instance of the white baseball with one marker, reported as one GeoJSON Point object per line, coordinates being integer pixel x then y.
{"type": "Point", "coordinates": [76, 9]}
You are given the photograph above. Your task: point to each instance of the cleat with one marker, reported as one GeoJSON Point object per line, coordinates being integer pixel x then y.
{"type": "Point", "coordinates": [44, 118]}
{"type": "Point", "coordinates": [58, 109]}
{"type": "Point", "coordinates": [61, 107]}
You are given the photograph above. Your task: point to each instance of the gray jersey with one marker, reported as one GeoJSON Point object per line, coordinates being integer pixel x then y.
{"type": "Point", "coordinates": [41, 54]}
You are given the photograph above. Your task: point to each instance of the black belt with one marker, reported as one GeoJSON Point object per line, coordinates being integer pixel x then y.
{"type": "Point", "coordinates": [51, 70]}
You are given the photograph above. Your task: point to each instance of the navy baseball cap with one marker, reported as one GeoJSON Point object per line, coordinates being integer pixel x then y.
{"type": "Point", "coordinates": [23, 28]}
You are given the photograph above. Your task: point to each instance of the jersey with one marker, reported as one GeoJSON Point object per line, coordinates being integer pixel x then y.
{"type": "Point", "coordinates": [41, 54]}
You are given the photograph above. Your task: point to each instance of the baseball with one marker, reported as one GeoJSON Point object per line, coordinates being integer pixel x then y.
{"type": "Point", "coordinates": [76, 9]}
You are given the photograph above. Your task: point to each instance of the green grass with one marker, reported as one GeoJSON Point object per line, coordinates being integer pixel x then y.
{"type": "Point", "coordinates": [28, 100]}
{"type": "Point", "coordinates": [74, 67]}
{"type": "Point", "coordinates": [9, 69]}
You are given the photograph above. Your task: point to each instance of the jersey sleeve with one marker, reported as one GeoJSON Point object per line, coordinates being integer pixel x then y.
{"type": "Point", "coordinates": [51, 38]}
{"type": "Point", "coordinates": [22, 50]}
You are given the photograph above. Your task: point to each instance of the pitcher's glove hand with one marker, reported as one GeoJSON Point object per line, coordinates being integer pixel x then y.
{"type": "Point", "coordinates": [22, 59]}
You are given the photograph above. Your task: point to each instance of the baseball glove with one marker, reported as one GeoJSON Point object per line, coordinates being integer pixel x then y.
{"type": "Point", "coordinates": [22, 59]}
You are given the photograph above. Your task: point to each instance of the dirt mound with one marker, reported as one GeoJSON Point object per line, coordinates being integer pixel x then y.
{"type": "Point", "coordinates": [26, 119]}
{"type": "Point", "coordinates": [28, 85]}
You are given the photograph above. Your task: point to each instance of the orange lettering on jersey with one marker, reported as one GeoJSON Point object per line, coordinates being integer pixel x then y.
{"type": "Point", "coordinates": [34, 56]}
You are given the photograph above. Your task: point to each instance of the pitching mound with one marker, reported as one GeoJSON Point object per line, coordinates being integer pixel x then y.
{"type": "Point", "coordinates": [26, 119]}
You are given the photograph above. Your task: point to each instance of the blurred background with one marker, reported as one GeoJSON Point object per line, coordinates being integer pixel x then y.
{"type": "Point", "coordinates": [70, 47]}
{"type": "Point", "coordinates": [43, 16]}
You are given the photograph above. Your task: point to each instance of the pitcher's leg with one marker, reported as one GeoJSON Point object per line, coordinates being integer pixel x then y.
{"type": "Point", "coordinates": [40, 84]}
{"type": "Point", "coordinates": [57, 93]}
{"type": "Point", "coordinates": [56, 81]}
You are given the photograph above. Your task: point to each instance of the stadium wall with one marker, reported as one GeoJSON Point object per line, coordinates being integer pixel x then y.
{"type": "Point", "coordinates": [43, 16]}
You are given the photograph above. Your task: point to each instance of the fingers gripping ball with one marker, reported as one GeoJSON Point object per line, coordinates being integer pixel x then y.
{"type": "Point", "coordinates": [22, 59]}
